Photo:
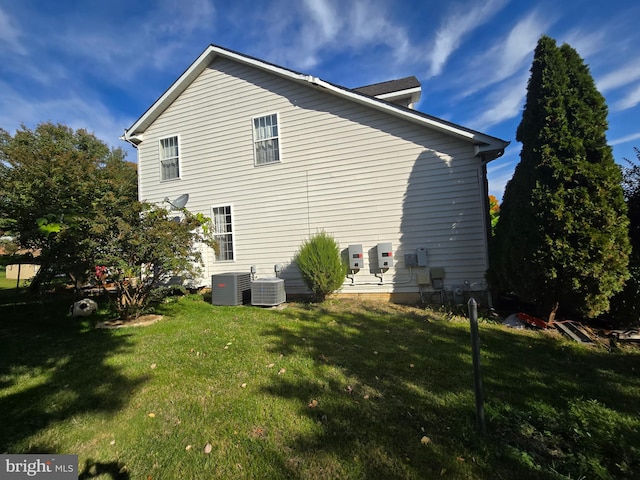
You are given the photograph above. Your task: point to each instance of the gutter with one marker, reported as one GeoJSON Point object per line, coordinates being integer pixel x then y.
{"type": "Point", "coordinates": [488, 155]}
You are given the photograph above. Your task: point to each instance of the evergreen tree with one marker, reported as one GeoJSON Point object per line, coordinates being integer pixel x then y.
{"type": "Point", "coordinates": [625, 306]}
{"type": "Point", "coordinates": [562, 237]}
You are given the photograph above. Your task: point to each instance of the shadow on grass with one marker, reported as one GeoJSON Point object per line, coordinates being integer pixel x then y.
{"type": "Point", "coordinates": [114, 470]}
{"type": "Point", "coordinates": [383, 382]}
{"type": "Point", "coordinates": [53, 369]}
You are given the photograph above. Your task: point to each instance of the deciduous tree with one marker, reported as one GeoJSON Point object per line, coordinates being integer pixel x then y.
{"type": "Point", "coordinates": [146, 247]}
{"type": "Point", "coordinates": [494, 212]}
{"type": "Point", "coordinates": [54, 182]}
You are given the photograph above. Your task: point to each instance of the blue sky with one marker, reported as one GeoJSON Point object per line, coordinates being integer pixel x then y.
{"type": "Point", "coordinates": [100, 64]}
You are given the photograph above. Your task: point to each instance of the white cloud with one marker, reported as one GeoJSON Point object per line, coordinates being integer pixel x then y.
{"type": "Point", "coordinates": [504, 103]}
{"type": "Point", "coordinates": [71, 110]}
{"type": "Point", "coordinates": [455, 27]}
{"type": "Point", "coordinates": [10, 34]}
{"type": "Point", "coordinates": [300, 37]}
{"type": "Point", "coordinates": [515, 50]}
{"type": "Point", "coordinates": [325, 16]}
{"type": "Point", "coordinates": [177, 17]}
{"type": "Point", "coordinates": [377, 29]}
{"type": "Point", "coordinates": [508, 56]}
{"type": "Point", "coordinates": [625, 139]}
{"type": "Point", "coordinates": [587, 42]}
{"type": "Point", "coordinates": [620, 77]}
{"type": "Point", "coordinates": [630, 99]}
{"type": "Point", "coordinates": [126, 46]}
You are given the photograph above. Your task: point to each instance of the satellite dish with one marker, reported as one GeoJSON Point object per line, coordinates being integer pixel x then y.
{"type": "Point", "coordinates": [179, 202]}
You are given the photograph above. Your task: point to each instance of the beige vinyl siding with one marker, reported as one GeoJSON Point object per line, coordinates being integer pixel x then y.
{"type": "Point", "coordinates": [362, 175]}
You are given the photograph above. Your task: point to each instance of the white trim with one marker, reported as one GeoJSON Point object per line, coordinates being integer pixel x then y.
{"type": "Point", "coordinates": [410, 92]}
{"type": "Point", "coordinates": [485, 142]}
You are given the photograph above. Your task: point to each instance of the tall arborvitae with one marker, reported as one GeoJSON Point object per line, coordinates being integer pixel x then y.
{"type": "Point", "coordinates": [562, 237]}
{"type": "Point", "coordinates": [625, 306]}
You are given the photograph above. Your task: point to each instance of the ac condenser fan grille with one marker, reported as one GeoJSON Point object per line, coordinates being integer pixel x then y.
{"type": "Point", "coordinates": [268, 292]}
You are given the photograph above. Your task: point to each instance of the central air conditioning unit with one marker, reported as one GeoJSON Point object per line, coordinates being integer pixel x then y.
{"type": "Point", "coordinates": [232, 288]}
{"type": "Point", "coordinates": [268, 292]}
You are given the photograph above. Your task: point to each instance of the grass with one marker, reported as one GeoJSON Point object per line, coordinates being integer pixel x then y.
{"type": "Point", "coordinates": [5, 282]}
{"type": "Point", "coordinates": [337, 390]}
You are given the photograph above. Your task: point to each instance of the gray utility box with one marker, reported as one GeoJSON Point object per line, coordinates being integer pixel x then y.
{"type": "Point", "coordinates": [437, 277]}
{"type": "Point", "coordinates": [232, 288]}
{"type": "Point", "coordinates": [268, 292]}
{"type": "Point", "coordinates": [422, 256]}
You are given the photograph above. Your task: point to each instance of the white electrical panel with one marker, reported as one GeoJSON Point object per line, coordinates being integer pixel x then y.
{"type": "Point", "coordinates": [356, 259]}
{"type": "Point", "coordinates": [385, 255]}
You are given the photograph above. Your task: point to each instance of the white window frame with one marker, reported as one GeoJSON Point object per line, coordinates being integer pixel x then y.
{"type": "Point", "coordinates": [257, 141]}
{"type": "Point", "coordinates": [231, 233]}
{"type": "Point", "coordinates": [162, 159]}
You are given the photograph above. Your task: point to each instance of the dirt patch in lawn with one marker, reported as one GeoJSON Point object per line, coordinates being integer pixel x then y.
{"type": "Point", "coordinates": [142, 321]}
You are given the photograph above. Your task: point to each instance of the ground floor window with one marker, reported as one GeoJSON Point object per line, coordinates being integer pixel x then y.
{"type": "Point", "coordinates": [223, 231]}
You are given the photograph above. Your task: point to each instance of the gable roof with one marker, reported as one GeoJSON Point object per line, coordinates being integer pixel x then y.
{"type": "Point", "coordinates": [390, 86]}
{"type": "Point", "coordinates": [490, 147]}
{"type": "Point", "coordinates": [403, 91]}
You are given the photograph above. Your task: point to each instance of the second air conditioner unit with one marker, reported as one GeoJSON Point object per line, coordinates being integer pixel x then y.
{"type": "Point", "coordinates": [268, 292]}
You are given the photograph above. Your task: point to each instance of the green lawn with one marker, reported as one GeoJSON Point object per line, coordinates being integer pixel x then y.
{"type": "Point", "coordinates": [337, 390]}
{"type": "Point", "coordinates": [5, 283]}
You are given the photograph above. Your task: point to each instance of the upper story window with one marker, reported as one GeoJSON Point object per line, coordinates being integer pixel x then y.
{"type": "Point", "coordinates": [169, 158]}
{"type": "Point", "coordinates": [266, 141]}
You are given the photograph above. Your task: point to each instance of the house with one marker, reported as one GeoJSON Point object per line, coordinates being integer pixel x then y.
{"type": "Point", "coordinates": [274, 156]}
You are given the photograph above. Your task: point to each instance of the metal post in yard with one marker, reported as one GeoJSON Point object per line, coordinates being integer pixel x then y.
{"type": "Point", "coordinates": [475, 351]}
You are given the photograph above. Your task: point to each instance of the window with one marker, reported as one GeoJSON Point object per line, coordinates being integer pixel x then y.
{"type": "Point", "coordinates": [169, 160]}
{"type": "Point", "coordinates": [265, 139]}
{"type": "Point", "coordinates": [223, 232]}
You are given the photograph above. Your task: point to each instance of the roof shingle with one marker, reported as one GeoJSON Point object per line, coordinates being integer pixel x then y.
{"type": "Point", "coordinates": [389, 86]}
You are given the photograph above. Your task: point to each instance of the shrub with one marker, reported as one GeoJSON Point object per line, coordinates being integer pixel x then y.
{"type": "Point", "coordinates": [146, 248]}
{"type": "Point", "coordinates": [320, 264]}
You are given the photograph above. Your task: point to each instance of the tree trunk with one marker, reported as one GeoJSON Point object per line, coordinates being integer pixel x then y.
{"type": "Point", "coordinates": [552, 312]}
{"type": "Point", "coordinates": [39, 278]}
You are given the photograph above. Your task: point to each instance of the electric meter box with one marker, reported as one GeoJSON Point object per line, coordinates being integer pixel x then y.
{"type": "Point", "coordinates": [385, 255]}
{"type": "Point", "coordinates": [356, 259]}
